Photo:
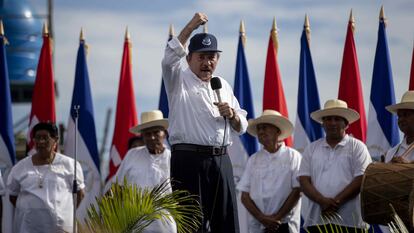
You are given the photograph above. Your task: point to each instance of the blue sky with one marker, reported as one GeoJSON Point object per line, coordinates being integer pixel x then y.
{"type": "Point", "coordinates": [104, 24]}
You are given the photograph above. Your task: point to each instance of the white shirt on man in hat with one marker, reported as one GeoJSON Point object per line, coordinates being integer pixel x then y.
{"type": "Point", "coordinates": [334, 166]}
{"type": "Point", "coordinates": [400, 150]}
{"type": "Point", "coordinates": [149, 165]}
{"type": "Point", "coordinates": [332, 169]}
{"type": "Point", "coordinates": [269, 179]}
{"type": "Point", "coordinates": [404, 151]}
{"type": "Point", "coordinates": [146, 170]}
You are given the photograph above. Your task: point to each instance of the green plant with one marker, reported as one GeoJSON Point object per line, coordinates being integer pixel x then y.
{"type": "Point", "coordinates": [130, 209]}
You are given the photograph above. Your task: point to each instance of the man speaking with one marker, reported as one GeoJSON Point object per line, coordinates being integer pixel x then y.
{"type": "Point", "coordinates": [200, 123]}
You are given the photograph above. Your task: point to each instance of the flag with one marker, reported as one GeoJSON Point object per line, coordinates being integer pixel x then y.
{"type": "Point", "coordinates": [7, 146]}
{"type": "Point", "coordinates": [306, 129]}
{"type": "Point", "coordinates": [243, 93]}
{"type": "Point", "coordinates": [163, 101]}
{"type": "Point", "coordinates": [245, 145]}
{"type": "Point", "coordinates": [382, 125]}
{"type": "Point", "coordinates": [411, 88]}
{"type": "Point", "coordinates": [126, 114]}
{"type": "Point", "coordinates": [87, 147]}
{"type": "Point", "coordinates": [273, 94]}
{"type": "Point", "coordinates": [43, 99]}
{"type": "Point", "coordinates": [350, 88]}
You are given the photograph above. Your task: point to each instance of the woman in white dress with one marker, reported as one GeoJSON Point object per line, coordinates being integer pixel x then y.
{"type": "Point", "coordinates": [41, 185]}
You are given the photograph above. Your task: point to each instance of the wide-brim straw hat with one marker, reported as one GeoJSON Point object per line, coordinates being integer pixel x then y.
{"type": "Point", "coordinates": [407, 102]}
{"type": "Point", "coordinates": [150, 119]}
{"type": "Point", "coordinates": [335, 107]}
{"type": "Point", "coordinates": [274, 118]}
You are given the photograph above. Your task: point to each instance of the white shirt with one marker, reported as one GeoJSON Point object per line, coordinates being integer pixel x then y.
{"type": "Point", "coordinates": [331, 170]}
{"type": "Point", "coordinates": [146, 170]}
{"type": "Point", "coordinates": [48, 208]}
{"type": "Point", "coordinates": [2, 187]}
{"type": "Point", "coordinates": [143, 169]}
{"type": "Point", "coordinates": [399, 150]}
{"type": "Point", "coordinates": [193, 117]}
{"type": "Point", "coordinates": [269, 178]}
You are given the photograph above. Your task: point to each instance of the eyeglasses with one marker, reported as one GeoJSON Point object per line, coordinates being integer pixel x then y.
{"type": "Point", "coordinates": [41, 138]}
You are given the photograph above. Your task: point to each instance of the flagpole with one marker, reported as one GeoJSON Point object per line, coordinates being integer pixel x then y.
{"type": "Point", "coordinates": [75, 183]}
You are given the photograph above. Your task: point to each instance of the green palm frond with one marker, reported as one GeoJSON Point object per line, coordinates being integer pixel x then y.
{"type": "Point", "coordinates": [130, 209]}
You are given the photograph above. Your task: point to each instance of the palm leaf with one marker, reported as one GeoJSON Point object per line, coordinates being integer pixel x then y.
{"type": "Point", "coordinates": [130, 209]}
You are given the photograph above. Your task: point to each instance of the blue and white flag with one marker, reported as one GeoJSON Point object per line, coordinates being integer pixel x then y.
{"type": "Point", "coordinates": [306, 129]}
{"type": "Point", "coordinates": [87, 151]}
{"type": "Point", "coordinates": [382, 125]}
{"type": "Point", "coordinates": [7, 146]}
{"type": "Point", "coordinates": [245, 145]}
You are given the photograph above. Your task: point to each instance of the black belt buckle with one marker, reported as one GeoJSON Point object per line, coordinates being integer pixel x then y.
{"type": "Point", "coordinates": [218, 150]}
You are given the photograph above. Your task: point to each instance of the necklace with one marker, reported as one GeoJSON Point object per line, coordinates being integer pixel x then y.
{"type": "Point", "coordinates": [41, 176]}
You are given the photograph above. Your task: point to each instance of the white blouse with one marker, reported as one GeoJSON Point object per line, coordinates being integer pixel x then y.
{"type": "Point", "coordinates": [44, 195]}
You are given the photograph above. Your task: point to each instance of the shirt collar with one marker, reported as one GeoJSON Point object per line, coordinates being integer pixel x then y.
{"type": "Point", "coordinates": [342, 143]}
{"type": "Point", "coordinates": [195, 78]}
{"type": "Point", "coordinates": [277, 153]}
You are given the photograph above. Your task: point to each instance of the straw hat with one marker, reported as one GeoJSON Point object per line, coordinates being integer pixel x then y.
{"type": "Point", "coordinates": [335, 107]}
{"type": "Point", "coordinates": [274, 118]}
{"type": "Point", "coordinates": [407, 102]}
{"type": "Point", "coordinates": [150, 119]}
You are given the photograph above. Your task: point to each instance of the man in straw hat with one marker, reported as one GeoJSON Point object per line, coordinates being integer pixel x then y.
{"type": "Point", "coordinates": [200, 125]}
{"type": "Point", "coordinates": [149, 165]}
{"type": "Point", "coordinates": [331, 172]}
{"type": "Point", "coordinates": [270, 190]}
{"type": "Point", "coordinates": [403, 152]}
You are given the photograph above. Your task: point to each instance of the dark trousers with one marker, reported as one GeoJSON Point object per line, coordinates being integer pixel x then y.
{"type": "Point", "coordinates": [211, 179]}
{"type": "Point", "coordinates": [331, 228]}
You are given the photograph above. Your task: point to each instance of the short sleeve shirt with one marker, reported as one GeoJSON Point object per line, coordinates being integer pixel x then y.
{"type": "Point", "coordinates": [331, 170]}
{"type": "Point", "coordinates": [44, 194]}
{"type": "Point", "coordinates": [269, 178]}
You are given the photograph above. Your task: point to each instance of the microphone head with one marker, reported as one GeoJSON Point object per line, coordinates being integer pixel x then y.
{"type": "Point", "coordinates": [215, 83]}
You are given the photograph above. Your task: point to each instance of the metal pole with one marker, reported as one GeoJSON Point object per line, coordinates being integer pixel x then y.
{"type": "Point", "coordinates": [75, 183]}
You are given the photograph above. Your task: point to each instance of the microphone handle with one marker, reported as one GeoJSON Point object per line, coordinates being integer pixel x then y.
{"type": "Point", "coordinates": [218, 95]}
{"type": "Point", "coordinates": [219, 99]}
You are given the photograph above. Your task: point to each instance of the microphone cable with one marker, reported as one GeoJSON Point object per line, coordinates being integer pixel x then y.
{"type": "Point", "coordinates": [219, 176]}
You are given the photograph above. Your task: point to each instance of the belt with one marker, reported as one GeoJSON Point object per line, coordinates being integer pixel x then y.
{"type": "Point", "coordinates": [206, 150]}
